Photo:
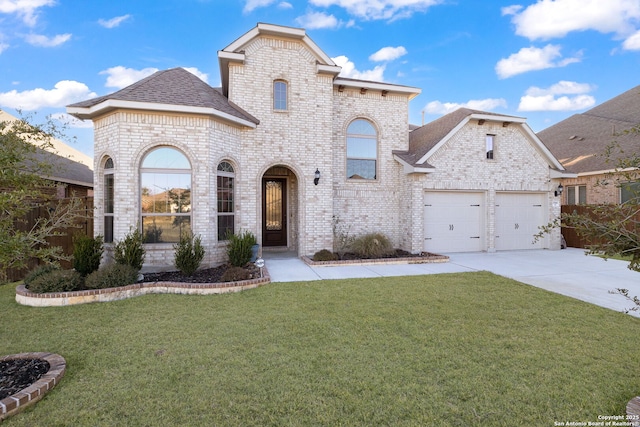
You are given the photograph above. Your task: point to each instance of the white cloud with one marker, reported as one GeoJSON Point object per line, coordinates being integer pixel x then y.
{"type": "Point", "coordinates": [64, 92]}
{"type": "Point", "coordinates": [250, 5]}
{"type": "Point", "coordinates": [120, 77]}
{"type": "Point", "coordinates": [379, 9]}
{"type": "Point", "coordinates": [511, 10]}
{"type": "Point", "coordinates": [633, 42]}
{"type": "Point", "coordinates": [44, 41]}
{"type": "Point", "coordinates": [489, 104]}
{"type": "Point", "coordinates": [388, 54]}
{"type": "Point", "coordinates": [202, 76]}
{"type": "Point", "coordinates": [349, 70]}
{"type": "Point", "coordinates": [27, 10]}
{"type": "Point", "coordinates": [3, 47]}
{"type": "Point", "coordinates": [548, 19]}
{"type": "Point", "coordinates": [113, 22]}
{"type": "Point", "coordinates": [574, 96]}
{"type": "Point", "coordinates": [285, 5]}
{"type": "Point", "coordinates": [315, 20]}
{"type": "Point", "coordinates": [532, 58]}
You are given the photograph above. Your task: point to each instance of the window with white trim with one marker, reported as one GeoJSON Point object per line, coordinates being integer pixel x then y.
{"type": "Point", "coordinates": [109, 193]}
{"type": "Point", "coordinates": [576, 194]}
{"type": "Point", "coordinates": [165, 195]}
{"type": "Point", "coordinates": [280, 95]}
{"type": "Point", "coordinates": [226, 202]}
{"type": "Point", "coordinates": [362, 150]}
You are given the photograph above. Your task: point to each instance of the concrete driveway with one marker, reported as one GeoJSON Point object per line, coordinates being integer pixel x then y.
{"type": "Point", "coordinates": [568, 272]}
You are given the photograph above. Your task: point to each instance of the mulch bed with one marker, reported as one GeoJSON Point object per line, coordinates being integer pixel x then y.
{"type": "Point", "coordinates": [399, 253]}
{"type": "Point", "coordinates": [206, 275]}
{"type": "Point", "coordinates": [18, 374]}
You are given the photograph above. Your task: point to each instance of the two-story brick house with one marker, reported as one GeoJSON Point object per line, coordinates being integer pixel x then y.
{"type": "Point", "coordinates": [286, 148]}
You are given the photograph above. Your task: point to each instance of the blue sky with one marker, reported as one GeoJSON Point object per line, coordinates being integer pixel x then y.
{"type": "Point", "coordinates": [540, 59]}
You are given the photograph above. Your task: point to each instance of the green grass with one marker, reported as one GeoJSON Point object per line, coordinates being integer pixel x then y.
{"type": "Point", "coordinates": [442, 350]}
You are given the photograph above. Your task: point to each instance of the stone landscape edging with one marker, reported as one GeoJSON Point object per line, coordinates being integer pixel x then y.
{"type": "Point", "coordinates": [15, 403]}
{"type": "Point", "coordinates": [378, 261]}
{"type": "Point", "coordinates": [59, 299]}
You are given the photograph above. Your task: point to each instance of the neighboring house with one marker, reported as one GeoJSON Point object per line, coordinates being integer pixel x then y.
{"type": "Point", "coordinates": [293, 152]}
{"type": "Point", "coordinates": [580, 143]}
{"type": "Point", "coordinates": [71, 169]}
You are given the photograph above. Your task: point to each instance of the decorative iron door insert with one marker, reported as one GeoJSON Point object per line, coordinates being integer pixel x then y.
{"type": "Point", "coordinates": [274, 212]}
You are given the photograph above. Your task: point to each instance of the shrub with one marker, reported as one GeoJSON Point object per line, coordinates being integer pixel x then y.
{"type": "Point", "coordinates": [239, 249]}
{"type": "Point", "coordinates": [189, 253]}
{"type": "Point", "coordinates": [39, 271]}
{"type": "Point", "coordinates": [130, 251]}
{"type": "Point", "coordinates": [112, 276]}
{"type": "Point", "coordinates": [234, 274]}
{"type": "Point", "coordinates": [56, 281]}
{"type": "Point", "coordinates": [87, 253]}
{"type": "Point", "coordinates": [372, 245]}
{"type": "Point", "coordinates": [324, 255]}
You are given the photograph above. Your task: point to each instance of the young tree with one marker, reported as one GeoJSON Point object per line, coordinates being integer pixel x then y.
{"type": "Point", "coordinates": [24, 187]}
{"type": "Point", "coordinates": [612, 229]}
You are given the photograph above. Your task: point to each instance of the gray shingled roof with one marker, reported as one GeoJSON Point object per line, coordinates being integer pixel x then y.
{"type": "Point", "coordinates": [579, 142]}
{"type": "Point", "coordinates": [175, 86]}
{"type": "Point", "coordinates": [66, 170]}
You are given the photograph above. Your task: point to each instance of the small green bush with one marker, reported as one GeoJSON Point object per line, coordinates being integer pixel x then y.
{"type": "Point", "coordinates": [324, 255]}
{"type": "Point", "coordinates": [56, 281]}
{"type": "Point", "coordinates": [235, 274]}
{"type": "Point", "coordinates": [189, 254]}
{"type": "Point", "coordinates": [87, 253]}
{"type": "Point", "coordinates": [112, 276]}
{"type": "Point", "coordinates": [39, 271]}
{"type": "Point", "coordinates": [239, 249]}
{"type": "Point", "coordinates": [130, 251]}
{"type": "Point", "coordinates": [372, 245]}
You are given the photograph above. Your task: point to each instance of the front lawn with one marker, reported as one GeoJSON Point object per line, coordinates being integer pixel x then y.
{"type": "Point", "coordinates": [440, 350]}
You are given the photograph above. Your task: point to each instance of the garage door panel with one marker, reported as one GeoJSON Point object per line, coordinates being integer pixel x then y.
{"type": "Point", "coordinates": [517, 218]}
{"type": "Point", "coordinates": [453, 222]}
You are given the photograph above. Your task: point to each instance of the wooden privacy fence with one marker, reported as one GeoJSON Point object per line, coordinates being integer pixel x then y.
{"type": "Point", "coordinates": [570, 235]}
{"type": "Point", "coordinates": [85, 226]}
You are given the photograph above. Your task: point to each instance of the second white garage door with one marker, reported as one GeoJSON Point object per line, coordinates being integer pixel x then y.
{"type": "Point", "coordinates": [517, 218]}
{"type": "Point", "coordinates": [453, 222]}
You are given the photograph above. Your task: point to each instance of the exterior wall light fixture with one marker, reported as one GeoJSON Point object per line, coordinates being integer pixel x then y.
{"type": "Point", "coordinates": [558, 190]}
{"type": "Point", "coordinates": [316, 177]}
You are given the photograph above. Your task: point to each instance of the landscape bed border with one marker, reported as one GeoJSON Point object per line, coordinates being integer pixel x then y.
{"type": "Point", "coordinates": [18, 401]}
{"type": "Point", "coordinates": [59, 299]}
{"type": "Point", "coordinates": [428, 258]}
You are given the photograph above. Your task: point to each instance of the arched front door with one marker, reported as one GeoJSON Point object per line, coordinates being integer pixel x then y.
{"type": "Point", "coordinates": [274, 212]}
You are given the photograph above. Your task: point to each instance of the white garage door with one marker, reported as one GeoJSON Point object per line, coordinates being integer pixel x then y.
{"type": "Point", "coordinates": [453, 222]}
{"type": "Point", "coordinates": [518, 216]}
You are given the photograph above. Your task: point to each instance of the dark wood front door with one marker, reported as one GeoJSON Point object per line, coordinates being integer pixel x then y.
{"type": "Point", "coordinates": [274, 212]}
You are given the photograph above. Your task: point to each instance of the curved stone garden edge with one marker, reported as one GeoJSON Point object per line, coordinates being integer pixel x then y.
{"type": "Point", "coordinates": [17, 402]}
{"type": "Point", "coordinates": [57, 299]}
{"type": "Point", "coordinates": [426, 259]}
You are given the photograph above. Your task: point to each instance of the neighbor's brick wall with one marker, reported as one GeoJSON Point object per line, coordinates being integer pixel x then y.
{"type": "Point", "coordinates": [517, 167]}
{"type": "Point", "coordinates": [596, 194]}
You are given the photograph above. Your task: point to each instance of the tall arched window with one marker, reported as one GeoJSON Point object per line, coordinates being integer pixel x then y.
{"type": "Point", "coordinates": [226, 203]}
{"type": "Point", "coordinates": [362, 150]}
{"type": "Point", "coordinates": [280, 95]}
{"type": "Point", "coordinates": [108, 199]}
{"type": "Point", "coordinates": [165, 193]}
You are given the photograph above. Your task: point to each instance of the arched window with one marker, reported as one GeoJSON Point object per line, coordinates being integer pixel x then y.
{"type": "Point", "coordinates": [165, 195]}
{"type": "Point", "coordinates": [362, 150]}
{"type": "Point", "coordinates": [280, 95]}
{"type": "Point", "coordinates": [226, 207]}
{"type": "Point", "coordinates": [108, 199]}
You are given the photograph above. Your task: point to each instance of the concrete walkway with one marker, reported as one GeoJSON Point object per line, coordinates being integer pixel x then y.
{"type": "Point", "coordinates": [568, 272]}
